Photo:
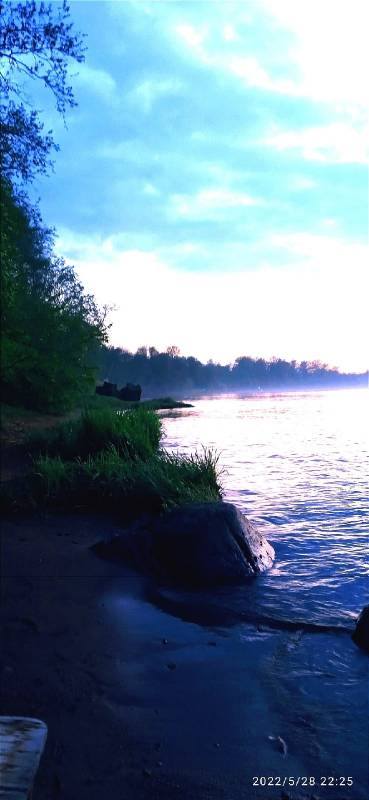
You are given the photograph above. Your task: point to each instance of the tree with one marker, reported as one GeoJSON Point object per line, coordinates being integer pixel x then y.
{"type": "Point", "coordinates": [50, 327]}
{"type": "Point", "coordinates": [37, 43]}
{"type": "Point", "coordinates": [173, 351]}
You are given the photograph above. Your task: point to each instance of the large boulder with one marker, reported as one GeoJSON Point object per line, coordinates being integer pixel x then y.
{"type": "Point", "coordinates": [361, 632]}
{"type": "Point", "coordinates": [205, 544]}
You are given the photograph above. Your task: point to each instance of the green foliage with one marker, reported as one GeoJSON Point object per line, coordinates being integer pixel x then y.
{"type": "Point", "coordinates": [110, 461]}
{"type": "Point", "coordinates": [133, 434]}
{"type": "Point", "coordinates": [97, 402]}
{"type": "Point", "coordinates": [55, 474]}
{"type": "Point", "coordinates": [49, 326]}
{"type": "Point", "coordinates": [155, 404]}
{"type": "Point", "coordinates": [37, 42]}
{"type": "Point", "coordinates": [110, 482]}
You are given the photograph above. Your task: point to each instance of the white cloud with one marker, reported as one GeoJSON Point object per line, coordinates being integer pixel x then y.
{"type": "Point", "coordinates": [150, 190]}
{"type": "Point", "coordinates": [193, 37]}
{"type": "Point", "coordinates": [301, 184]}
{"type": "Point", "coordinates": [328, 55]}
{"type": "Point", "coordinates": [322, 249]}
{"type": "Point", "coordinates": [250, 70]}
{"type": "Point", "coordinates": [337, 142]}
{"type": "Point", "coordinates": [149, 91]}
{"type": "Point", "coordinates": [229, 33]}
{"type": "Point", "coordinates": [98, 81]}
{"type": "Point", "coordinates": [331, 49]}
{"type": "Point", "coordinates": [315, 308]}
{"type": "Point", "coordinates": [209, 203]}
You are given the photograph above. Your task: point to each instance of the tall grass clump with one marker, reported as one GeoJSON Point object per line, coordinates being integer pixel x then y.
{"type": "Point", "coordinates": [55, 476]}
{"type": "Point", "coordinates": [108, 482]}
{"type": "Point", "coordinates": [111, 461]}
{"type": "Point", "coordinates": [135, 434]}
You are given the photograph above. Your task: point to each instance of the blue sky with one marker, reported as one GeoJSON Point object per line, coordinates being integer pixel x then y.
{"type": "Point", "coordinates": [212, 183]}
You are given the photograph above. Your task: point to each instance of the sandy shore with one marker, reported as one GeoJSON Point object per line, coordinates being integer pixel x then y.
{"type": "Point", "coordinates": [139, 703]}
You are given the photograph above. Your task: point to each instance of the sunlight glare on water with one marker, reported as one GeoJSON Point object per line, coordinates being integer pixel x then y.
{"type": "Point", "coordinates": [297, 465]}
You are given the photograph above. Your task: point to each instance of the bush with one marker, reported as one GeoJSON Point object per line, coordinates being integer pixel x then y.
{"type": "Point", "coordinates": [133, 434]}
{"type": "Point", "coordinates": [51, 329]}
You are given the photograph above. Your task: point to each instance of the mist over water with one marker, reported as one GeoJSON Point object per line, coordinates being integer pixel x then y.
{"type": "Point", "coordinates": [297, 465]}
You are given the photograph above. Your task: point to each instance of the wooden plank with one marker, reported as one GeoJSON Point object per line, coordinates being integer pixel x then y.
{"type": "Point", "coordinates": [22, 740]}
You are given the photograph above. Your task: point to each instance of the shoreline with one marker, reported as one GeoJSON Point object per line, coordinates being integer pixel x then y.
{"type": "Point", "coordinates": [139, 702]}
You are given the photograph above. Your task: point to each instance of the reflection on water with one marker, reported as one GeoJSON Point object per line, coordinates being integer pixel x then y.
{"type": "Point", "coordinates": [281, 661]}
{"type": "Point", "coordinates": [297, 465]}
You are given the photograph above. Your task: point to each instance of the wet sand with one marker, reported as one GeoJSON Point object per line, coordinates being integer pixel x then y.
{"type": "Point", "coordinates": [139, 702]}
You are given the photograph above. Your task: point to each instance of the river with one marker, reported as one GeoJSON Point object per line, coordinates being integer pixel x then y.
{"type": "Point", "coordinates": [268, 685]}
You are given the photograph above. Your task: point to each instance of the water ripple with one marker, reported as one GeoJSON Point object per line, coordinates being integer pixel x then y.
{"type": "Point", "coordinates": [297, 465]}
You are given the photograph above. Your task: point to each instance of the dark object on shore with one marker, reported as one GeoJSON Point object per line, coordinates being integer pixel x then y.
{"type": "Point", "coordinates": [131, 391]}
{"type": "Point", "coordinates": [22, 743]}
{"type": "Point", "coordinates": [107, 389]}
{"type": "Point", "coordinates": [205, 544]}
{"type": "Point", "coordinates": [361, 633]}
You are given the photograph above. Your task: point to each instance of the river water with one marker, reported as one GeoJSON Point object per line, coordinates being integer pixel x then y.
{"type": "Point", "coordinates": [267, 685]}
{"type": "Point", "coordinates": [297, 465]}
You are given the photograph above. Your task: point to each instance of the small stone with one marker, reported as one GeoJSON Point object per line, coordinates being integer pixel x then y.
{"type": "Point", "coordinates": [217, 745]}
{"type": "Point", "coordinates": [172, 665]}
{"type": "Point", "coordinates": [164, 641]}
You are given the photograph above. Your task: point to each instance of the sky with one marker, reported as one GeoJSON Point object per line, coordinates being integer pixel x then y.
{"type": "Point", "coordinates": [211, 185]}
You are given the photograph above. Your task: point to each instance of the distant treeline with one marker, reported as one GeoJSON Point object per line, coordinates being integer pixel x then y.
{"type": "Point", "coordinates": [168, 371]}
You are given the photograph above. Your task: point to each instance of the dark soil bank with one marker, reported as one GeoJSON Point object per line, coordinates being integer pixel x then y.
{"type": "Point", "coordinates": [139, 703]}
{"type": "Point", "coordinates": [99, 690]}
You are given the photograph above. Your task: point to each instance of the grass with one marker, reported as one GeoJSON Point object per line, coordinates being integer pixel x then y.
{"type": "Point", "coordinates": [10, 412]}
{"type": "Point", "coordinates": [156, 404]}
{"type": "Point", "coordinates": [135, 434]}
{"type": "Point", "coordinates": [111, 461]}
{"type": "Point", "coordinates": [16, 421]}
{"type": "Point", "coordinates": [108, 482]}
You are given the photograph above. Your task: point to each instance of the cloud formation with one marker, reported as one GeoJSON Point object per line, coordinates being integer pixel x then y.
{"type": "Point", "coordinates": [220, 146]}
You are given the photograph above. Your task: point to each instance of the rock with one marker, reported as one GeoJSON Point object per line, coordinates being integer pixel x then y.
{"type": "Point", "coordinates": [204, 544]}
{"type": "Point", "coordinates": [361, 633]}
